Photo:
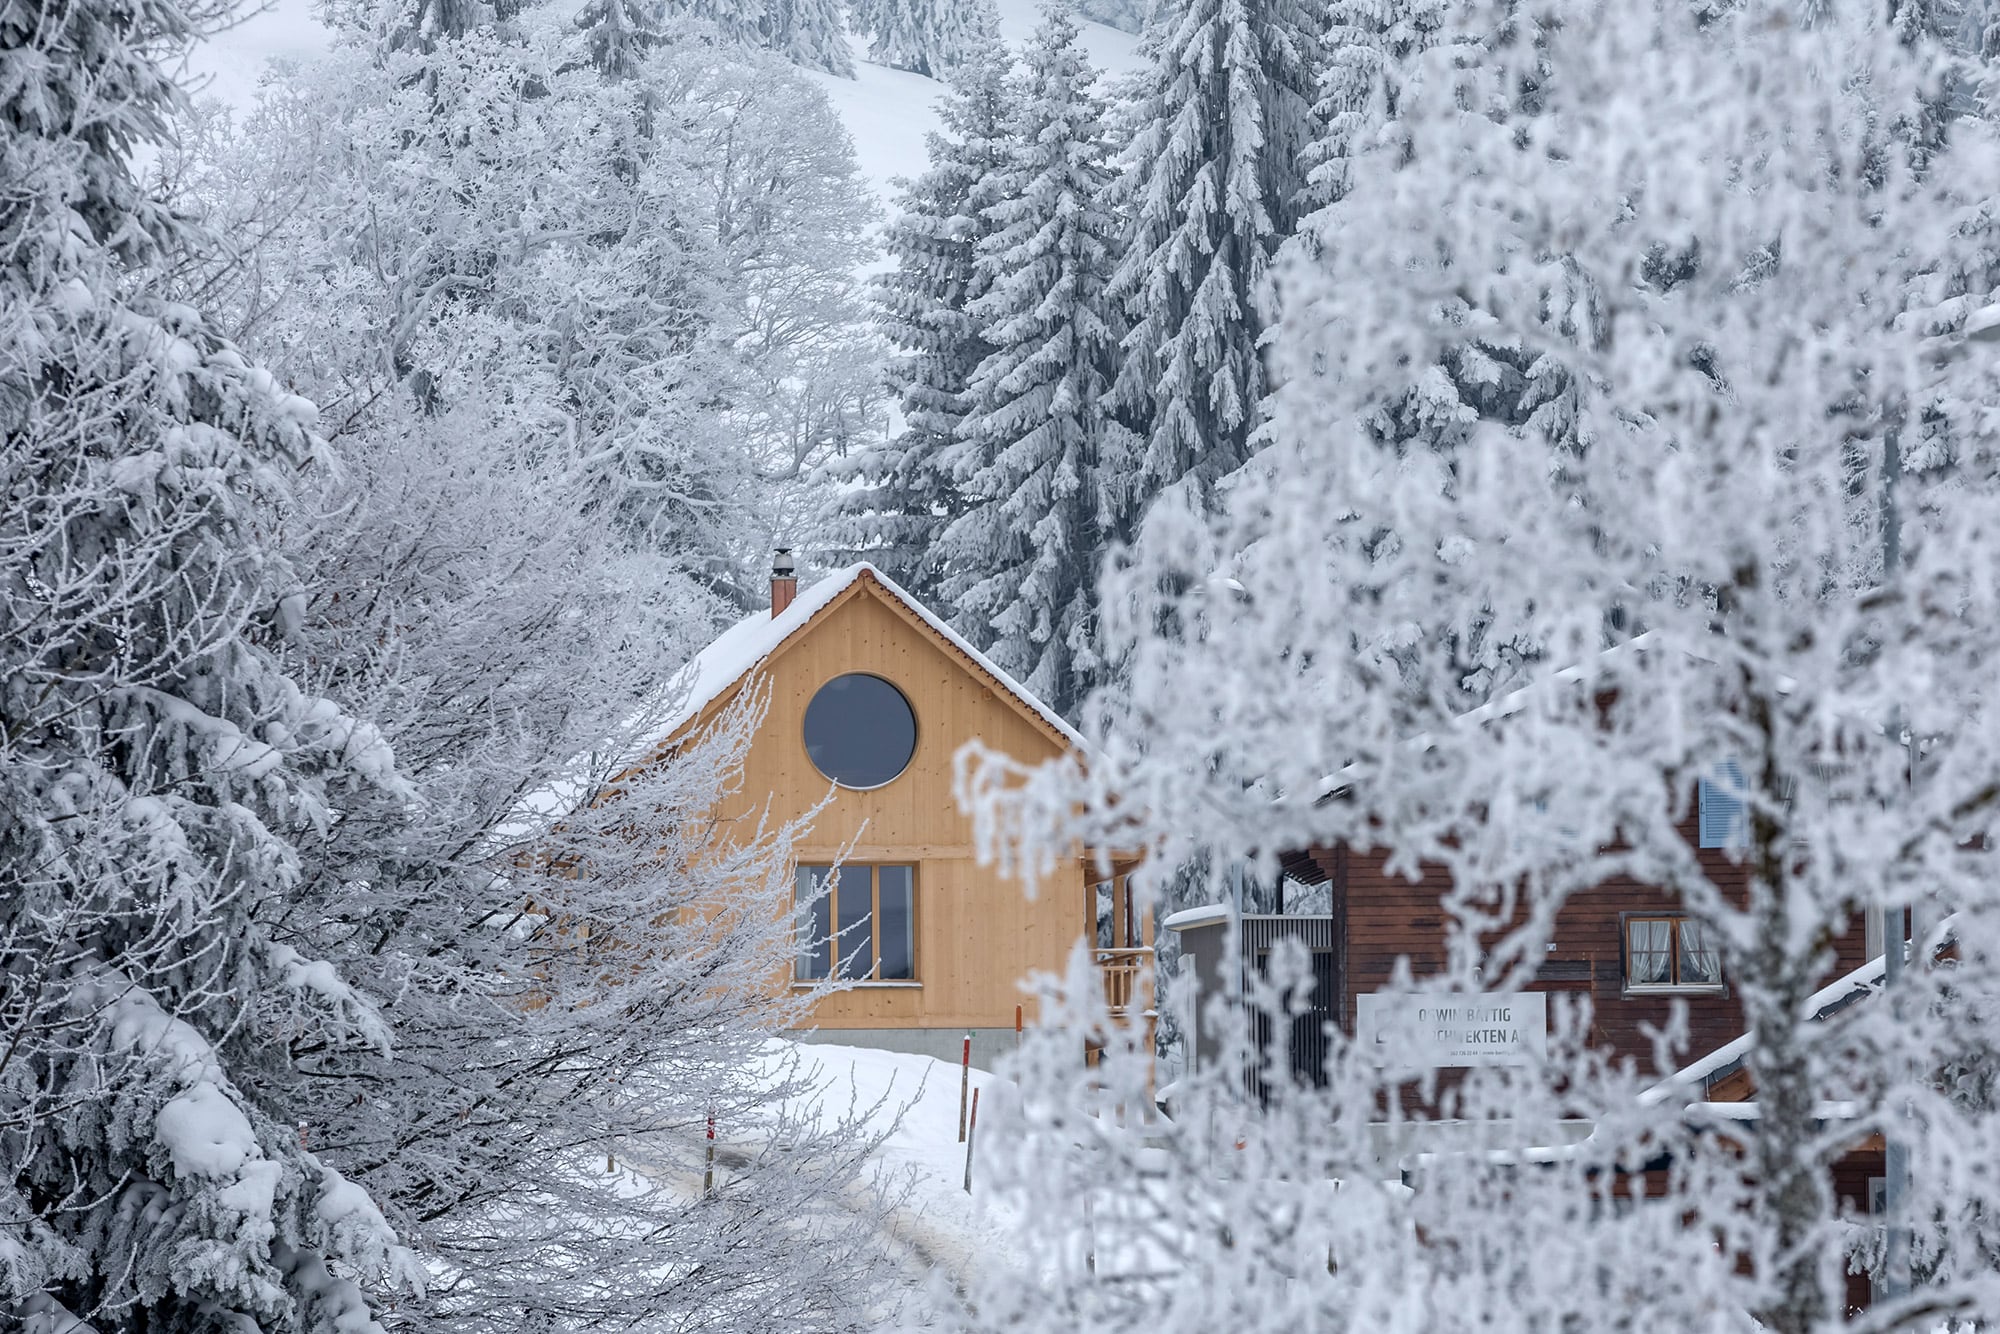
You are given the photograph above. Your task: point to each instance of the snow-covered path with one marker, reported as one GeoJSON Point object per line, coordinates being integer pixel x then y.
{"type": "Point", "coordinates": [938, 1233]}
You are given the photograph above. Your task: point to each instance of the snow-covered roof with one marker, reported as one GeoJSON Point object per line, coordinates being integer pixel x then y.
{"type": "Point", "coordinates": [1750, 1111]}
{"type": "Point", "coordinates": [711, 673]}
{"type": "Point", "coordinates": [1206, 915]}
{"type": "Point", "coordinates": [1830, 999]}
{"type": "Point", "coordinates": [744, 646]}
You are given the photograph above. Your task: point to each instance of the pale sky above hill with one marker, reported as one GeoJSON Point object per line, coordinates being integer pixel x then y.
{"type": "Point", "coordinates": [230, 63]}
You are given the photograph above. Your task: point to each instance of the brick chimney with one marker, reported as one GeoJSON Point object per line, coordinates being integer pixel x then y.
{"type": "Point", "coordinates": [784, 581]}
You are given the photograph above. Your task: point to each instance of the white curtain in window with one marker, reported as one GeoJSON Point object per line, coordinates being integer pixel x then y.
{"type": "Point", "coordinates": [1649, 952]}
{"type": "Point", "coordinates": [1701, 961]}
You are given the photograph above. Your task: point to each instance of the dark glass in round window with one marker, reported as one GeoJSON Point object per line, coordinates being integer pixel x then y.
{"type": "Point", "coordinates": [860, 731]}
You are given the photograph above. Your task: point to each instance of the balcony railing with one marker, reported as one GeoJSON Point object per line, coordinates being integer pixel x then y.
{"type": "Point", "coordinates": [1127, 980]}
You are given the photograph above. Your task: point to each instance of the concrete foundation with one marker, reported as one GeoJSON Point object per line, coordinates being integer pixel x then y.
{"type": "Point", "coordinates": [946, 1044]}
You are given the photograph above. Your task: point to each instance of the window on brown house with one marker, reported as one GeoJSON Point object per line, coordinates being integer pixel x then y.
{"type": "Point", "coordinates": [856, 922]}
{"type": "Point", "coordinates": [1670, 953]}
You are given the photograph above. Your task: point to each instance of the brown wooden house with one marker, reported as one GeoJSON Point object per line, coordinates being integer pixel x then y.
{"type": "Point", "coordinates": [1626, 946]}
{"type": "Point", "coordinates": [869, 697]}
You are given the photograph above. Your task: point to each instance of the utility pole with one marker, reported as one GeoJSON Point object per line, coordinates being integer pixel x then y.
{"type": "Point", "coordinates": [1895, 1150]}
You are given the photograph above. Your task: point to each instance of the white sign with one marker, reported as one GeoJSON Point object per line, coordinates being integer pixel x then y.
{"type": "Point", "coordinates": [1489, 1028]}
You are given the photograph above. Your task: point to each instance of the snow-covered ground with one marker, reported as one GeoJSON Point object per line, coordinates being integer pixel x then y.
{"type": "Point", "coordinates": [946, 1229]}
{"type": "Point", "coordinates": [938, 1233]}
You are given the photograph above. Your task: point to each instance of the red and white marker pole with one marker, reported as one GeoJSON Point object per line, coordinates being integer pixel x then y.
{"type": "Point", "coordinates": [964, 1083]}
{"type": "Point", "coordinates": [708, 1174]}
{"type": "Point", "coordinates": [971, 1131]}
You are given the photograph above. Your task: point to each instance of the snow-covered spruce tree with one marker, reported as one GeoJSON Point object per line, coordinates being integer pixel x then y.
{"type": "Point", "coordinates": [618, 33]}
{"type": "Point", "coordinates": [810, 33]}
{"type": "Point", "coordinates": [1129, 15]}
{"type": "Point", "coordinates": [1021, 561]}
{"type": "Point", "coordinates": [1369, 50]}
{"type": "Point", "coordinates": [158, 762]}
{"type": "Point", "coordinates": [805, 32]}
{"type": "Point", "coordinates": [928, 37]}
{"type": "Point", "coordinates": [892, 503]}
{"type": "Point", "coordinates": [420, 24]}
{"type": "Point", "coordinates": [1213, 178]}
{"type": "Point", "coordinates": [1804, 599]}
{"type": "Point", "coordinates": [1481, 377]}
{"type": "Point", "coordinates": [737, 20]}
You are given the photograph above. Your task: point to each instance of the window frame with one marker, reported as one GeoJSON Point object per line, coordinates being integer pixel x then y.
{"type": "Point", "coordinates": [1673, 987]}
{"type": "Point", "coordinates": [831, 946]}
{"type": "Point", "coordinates": [916, 732]}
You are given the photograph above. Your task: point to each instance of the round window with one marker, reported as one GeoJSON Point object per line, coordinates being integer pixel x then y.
{"type": "Point", "coordinates": [860, 731]}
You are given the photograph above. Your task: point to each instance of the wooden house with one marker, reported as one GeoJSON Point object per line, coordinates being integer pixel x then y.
{"type": "Point", "coordinates": [1629, 948]}
{"type": "Point", "coordinates": [869, 697]}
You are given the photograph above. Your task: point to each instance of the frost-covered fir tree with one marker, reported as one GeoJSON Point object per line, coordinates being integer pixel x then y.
{"type": "Point", "coordinates": [1213, 179]}
{"type": "Point", "coordinates": [806, 32]}
{"type": "Point", "coordinates": [618, 33]}
{"type": "Point", "coordinates": [926, 37]}
{"type": "Point", "coordinates": [159, 765]}
{"type": "Point", "coordinates": [738, 20]}
{"type": "Point", "coordinates": [892, 503]}
{"type": "Point", "coordinates": [1021, 561]}
{"type": "Point", "coordinates": [1807, 609]}
{"type": "Point", "coordinates": [1130, 15]}
{"type": "Point", "coordinates": [809, 33]}
{"type": "Point", "coordinates": [1369, 48]}
{"type": "Point", "coordinates": [1374, 52]}
{"type": "Point", "coordinates": [405, 24]}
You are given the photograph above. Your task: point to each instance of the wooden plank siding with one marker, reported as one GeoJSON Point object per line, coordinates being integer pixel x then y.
{"type": "Point", "coordinates": [977, 934]}
{"type": "Point", "coordinates": [1389, 917]}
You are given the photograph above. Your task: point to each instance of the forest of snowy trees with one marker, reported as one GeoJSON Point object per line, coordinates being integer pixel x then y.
{"type": "Point", "coordinates": [370, 460]}
{"type": "Point", "coordinates": [1625, 426]}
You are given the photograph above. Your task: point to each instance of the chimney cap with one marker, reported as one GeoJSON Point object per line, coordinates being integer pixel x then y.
{"type": "Point", "coordinates": [782, 566]}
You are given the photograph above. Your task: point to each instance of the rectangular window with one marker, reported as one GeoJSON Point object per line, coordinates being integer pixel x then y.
{"type": "Point", "coordinates": [1664, 953]}
{"type": "Point", "coordinates": [896, 925]}
{"type": "Point", "coordinates": [857, 923]}
{"type": "Point", "coordinates": [1719, 803]}
{"type": "Point", "coordinates": [813, 925]}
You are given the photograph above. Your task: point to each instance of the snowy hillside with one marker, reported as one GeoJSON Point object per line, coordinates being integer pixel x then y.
{"type": "Point", "coordinates": [890, 111]}
{"type": "Point", "coordinates": [230, 64]}
{"type": "Point", "coordinates": [887, 111]}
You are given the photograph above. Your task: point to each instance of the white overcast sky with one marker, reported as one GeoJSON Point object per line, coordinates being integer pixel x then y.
{"type": "Point", "coordinates": [229, 64]}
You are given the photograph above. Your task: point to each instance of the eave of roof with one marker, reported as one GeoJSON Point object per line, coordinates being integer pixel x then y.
{"type": "Point", "coordinates": [1848, 989]}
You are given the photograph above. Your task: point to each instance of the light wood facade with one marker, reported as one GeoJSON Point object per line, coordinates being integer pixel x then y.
{"type": "Point", "coordinates": [977, 935]}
